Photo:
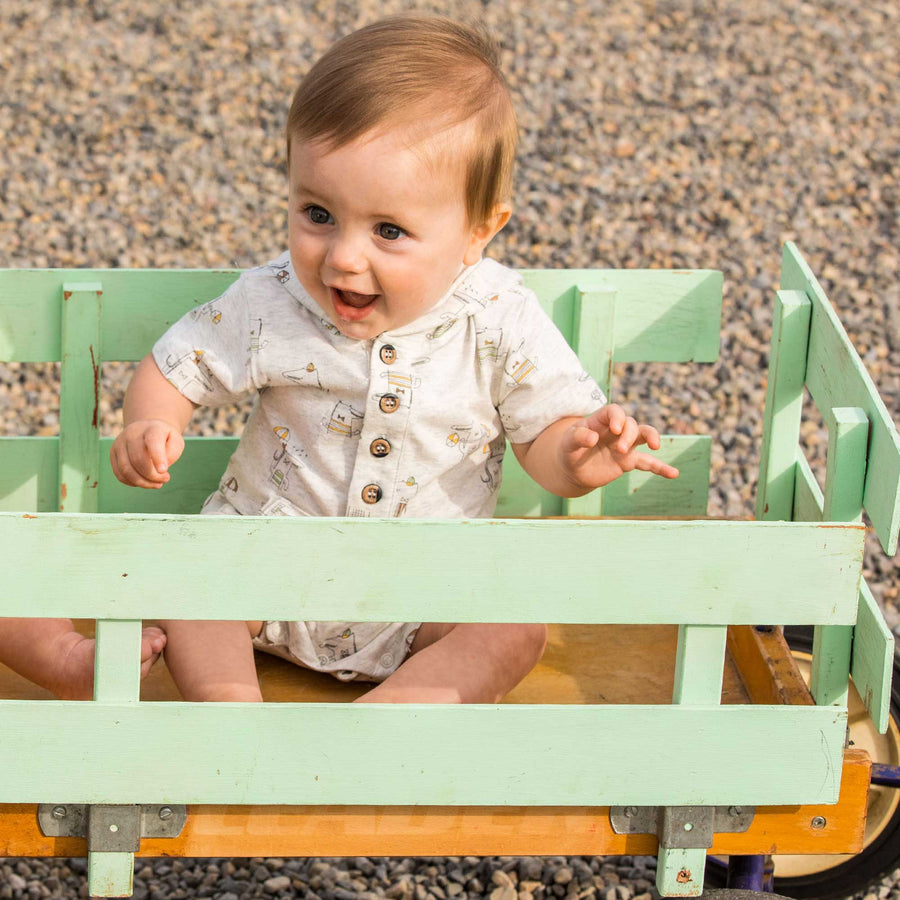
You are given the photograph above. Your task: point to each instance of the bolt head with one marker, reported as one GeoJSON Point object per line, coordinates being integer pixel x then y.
{"type": "Point", "coordinates": [819, 822]}
{"type": "Point", "coordinates": [165, 813]}
{"type": "Point", "coordinates": [60, 812]}
{"type": "Point", "coordinates": [630, 812]}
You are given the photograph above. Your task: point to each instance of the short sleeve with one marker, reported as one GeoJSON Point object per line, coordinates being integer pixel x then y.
{"type": "Point", "coordinates": [542, 379]}
{"type": "Point", "coordinates": [206, 354]}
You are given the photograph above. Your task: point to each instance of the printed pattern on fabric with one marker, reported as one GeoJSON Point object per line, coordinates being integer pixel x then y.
{"type": "Point", "coordinates": [412, 423]}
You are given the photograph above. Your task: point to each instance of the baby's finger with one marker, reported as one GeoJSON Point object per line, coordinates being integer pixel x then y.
{"type": "Point", "coordinates": [647, 463]}
{"type": "Point", "coordinates": [629, 435]}
{"type": "Point", "coordinates": [579, 437]}
{"type": "Point", "coordinates": [155, 444]}
{"type": "Point", "coordinates": [128, 474]}
{"type": "Point", "coordinates": [650, 437]}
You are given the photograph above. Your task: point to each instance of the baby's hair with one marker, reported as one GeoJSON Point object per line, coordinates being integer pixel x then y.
{"type": "Point", "coordinates": [423, 73]}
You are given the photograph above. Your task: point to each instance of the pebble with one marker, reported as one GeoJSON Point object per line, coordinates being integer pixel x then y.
{"type": "Point", "coordinates": [276, 884]}
{"type": "Point", "coordinates": [685, 134]}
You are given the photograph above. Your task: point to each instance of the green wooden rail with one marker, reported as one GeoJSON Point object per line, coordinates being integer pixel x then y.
{"type": "Point", "coordinates": [76, 543]}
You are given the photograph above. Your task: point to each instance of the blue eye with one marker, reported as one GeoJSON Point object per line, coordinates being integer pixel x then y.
{"type": "Point", "coordinates": [390, 232]}
{"type": "Point", "coordinates": [318, 215]}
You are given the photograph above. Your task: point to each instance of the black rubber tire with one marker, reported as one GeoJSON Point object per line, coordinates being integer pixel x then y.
{"type": "Point", "coordinates": [736, 894]}
{"type": "Point", "coordinates": [880, 858]}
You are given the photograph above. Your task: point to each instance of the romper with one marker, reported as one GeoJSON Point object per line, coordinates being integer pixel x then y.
{"type": "Point", "coordinates": [412, 423]}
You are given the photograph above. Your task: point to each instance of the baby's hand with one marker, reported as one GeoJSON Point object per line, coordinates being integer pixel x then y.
{"type": "Point", "coordinates": [599, 448]}
{"type": "Point", "coordinates": [142, 453]}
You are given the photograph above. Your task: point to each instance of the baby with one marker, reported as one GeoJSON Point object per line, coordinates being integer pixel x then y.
{"type": "Point", "coordinates": [390, 359]}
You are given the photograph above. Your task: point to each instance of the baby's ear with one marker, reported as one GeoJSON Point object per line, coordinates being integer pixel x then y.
{"type": "Point", "coordinates": [481, 235]}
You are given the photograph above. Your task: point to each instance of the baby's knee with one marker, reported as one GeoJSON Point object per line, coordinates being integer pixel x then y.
{"type": "Point", "coordinates": [531, 641]}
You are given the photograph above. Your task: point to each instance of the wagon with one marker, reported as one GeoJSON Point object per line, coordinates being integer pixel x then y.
{"type": "Point", "coordinates": [665, 622]}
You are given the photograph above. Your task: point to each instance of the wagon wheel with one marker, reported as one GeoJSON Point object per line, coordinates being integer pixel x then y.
{"type": "Point", "coordinates": [736, 894]}
{"type": "Point", "coordinates": [834, 876]}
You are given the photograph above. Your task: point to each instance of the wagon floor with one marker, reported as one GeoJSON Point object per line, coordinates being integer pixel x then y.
{"type": "Point", "coordinates": [582, 664]}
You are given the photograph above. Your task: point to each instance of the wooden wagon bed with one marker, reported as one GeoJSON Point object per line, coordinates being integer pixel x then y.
{"type": "Point", "coordinates": [660, 688]}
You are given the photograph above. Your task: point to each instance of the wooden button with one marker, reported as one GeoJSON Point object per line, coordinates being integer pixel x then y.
{"type": "Point", "coordinates": [380, 447]}
{"type": "Point", "coordinates": [371, 493]}
{"type": "Point", "coordinates": [389, 403]}
{"type": "Point", "coordinates": [388, 354]}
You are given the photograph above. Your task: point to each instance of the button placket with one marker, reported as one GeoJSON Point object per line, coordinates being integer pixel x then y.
{"type": "Point", "coordinates": [387, 412]}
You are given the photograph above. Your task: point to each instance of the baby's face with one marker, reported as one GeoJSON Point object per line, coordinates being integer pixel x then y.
{"type": "Point", "coordinates": [376, 235]}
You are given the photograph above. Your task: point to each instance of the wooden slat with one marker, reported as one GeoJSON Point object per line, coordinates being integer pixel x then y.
{"type": "Point", "coordinates": [461, 755]}
{"type": "Point", "coordinates": [194, 477]}
{"type": "Point", "coordinates": [848, 430]}
{"type": "Point", "coordinates": [808, 497]}
{"type": "Point", "coordinates": [593, 337]}
{"type": "Point", "coordinates": [29, 474]}
{"type": "Point", "coordinates": [458, 831]}
{"type": "Point", "coordinates": [703, 572]}
{"type": "Point", "coordinates": [872, 664]}
{"type": "Point", "coordinates": [661, 315]}
{"type": "Point", "coordinates": [666, 315]}
{"type": "Point", "coordinates": [139, 304]}
{"type": "Point", "coordinates": [79, 399]}
{"type": "Point", "coordinates": [837, 377]}
{"type": "Point", "coordinates": [766, 666]}
{"type": "Point", "coordinates": [698, 680]}
{"type": "Point", "coordinates": [634, 494]}
{"type": "Point", "coordinates": [784, 405]}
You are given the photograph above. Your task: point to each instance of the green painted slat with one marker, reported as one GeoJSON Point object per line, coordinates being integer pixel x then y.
{"type": "Point", "coordinates": [699, 664]}
{"type": "Point", "coordinates": [594, 332]}
{"type": "Point", "coordinates": [784, 406]}
{"type": "Point", "coordinates": [641, 494]}
{"type": "Point", "coordinates": [110, 874]}
{"type": "Point", "coordinates": [117, 670]}
{"type": "Point", "coordinates": [837, 377]}
{"type": "Point", "coordinates": [194, 477]}
{"type": "Point", "coordinates": [667, 315]}
{"type": "Point", "coordinates": [848, 429]}
{"type": "Point", "coordinates": [872, 664]}
{"type": "Point", "coordinates": [593, 339]}
{"type": "Point", "coordinates": [29, 474]}
{"type": "Point", "coordinates": [139, 304]}
{"type": "Point", "coordinates": [702, 572]}
{"type": "Point", "coordinates": [29, 481]}
{"type": "Point", "coordinates": [679, 872]}
{"type": "Point", "coordinates": [809, 500]}
{"type": "Point", "coordinates": [79, 397]}
{"type": "Point", "coordinates": [117, 679]}
{"type": "Point", "coordinates": [829, 681]}
{"type": "Point", "coordinates": [661, 315]}
{"type": "Point", "coordinates": [345, 753]}
{"type": "Point", "coordinates": [634, 494]}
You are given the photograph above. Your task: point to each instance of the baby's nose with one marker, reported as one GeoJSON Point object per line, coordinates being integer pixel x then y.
{"type": "Point", "coordinates": [345, 254]}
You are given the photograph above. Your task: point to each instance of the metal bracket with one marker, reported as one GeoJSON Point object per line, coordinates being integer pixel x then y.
{"type": "Point", "coordinates": [681, 827]}
{"type": "Point", "coordinates": [111, 828]}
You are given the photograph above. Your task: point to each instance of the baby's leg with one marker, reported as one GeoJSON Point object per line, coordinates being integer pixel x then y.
{"type": "Point", "coordinates": [51, 653]}
{"type": "Point", "coordinates": [212, 660]}
{"type": "Point", "coordinates": [463, 663]}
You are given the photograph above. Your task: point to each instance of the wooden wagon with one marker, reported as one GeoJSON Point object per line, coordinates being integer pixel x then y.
{"type": "Point", "coordinates": [666, 624]}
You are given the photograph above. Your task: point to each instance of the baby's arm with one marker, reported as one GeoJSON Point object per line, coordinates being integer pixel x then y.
{"type": "Point", "coordinates": [156, 413]}
{"type": "Point", "coordinates": [575, 455]}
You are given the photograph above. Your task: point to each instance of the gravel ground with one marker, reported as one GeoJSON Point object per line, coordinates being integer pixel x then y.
{"type": "Point", "coordinates": [686, 134]}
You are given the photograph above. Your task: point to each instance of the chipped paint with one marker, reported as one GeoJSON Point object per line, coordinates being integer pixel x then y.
{"type": "Point", "coordinates": [684, 876]}
{"type": "Point", "coordinates": [96, 369]}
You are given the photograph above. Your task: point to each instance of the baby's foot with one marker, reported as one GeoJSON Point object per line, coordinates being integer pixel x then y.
{"type": "Point", "coordinates": [75, 673]}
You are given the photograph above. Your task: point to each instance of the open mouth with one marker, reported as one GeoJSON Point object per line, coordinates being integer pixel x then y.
{"type": "Point", "coordinates": [351, 306]}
